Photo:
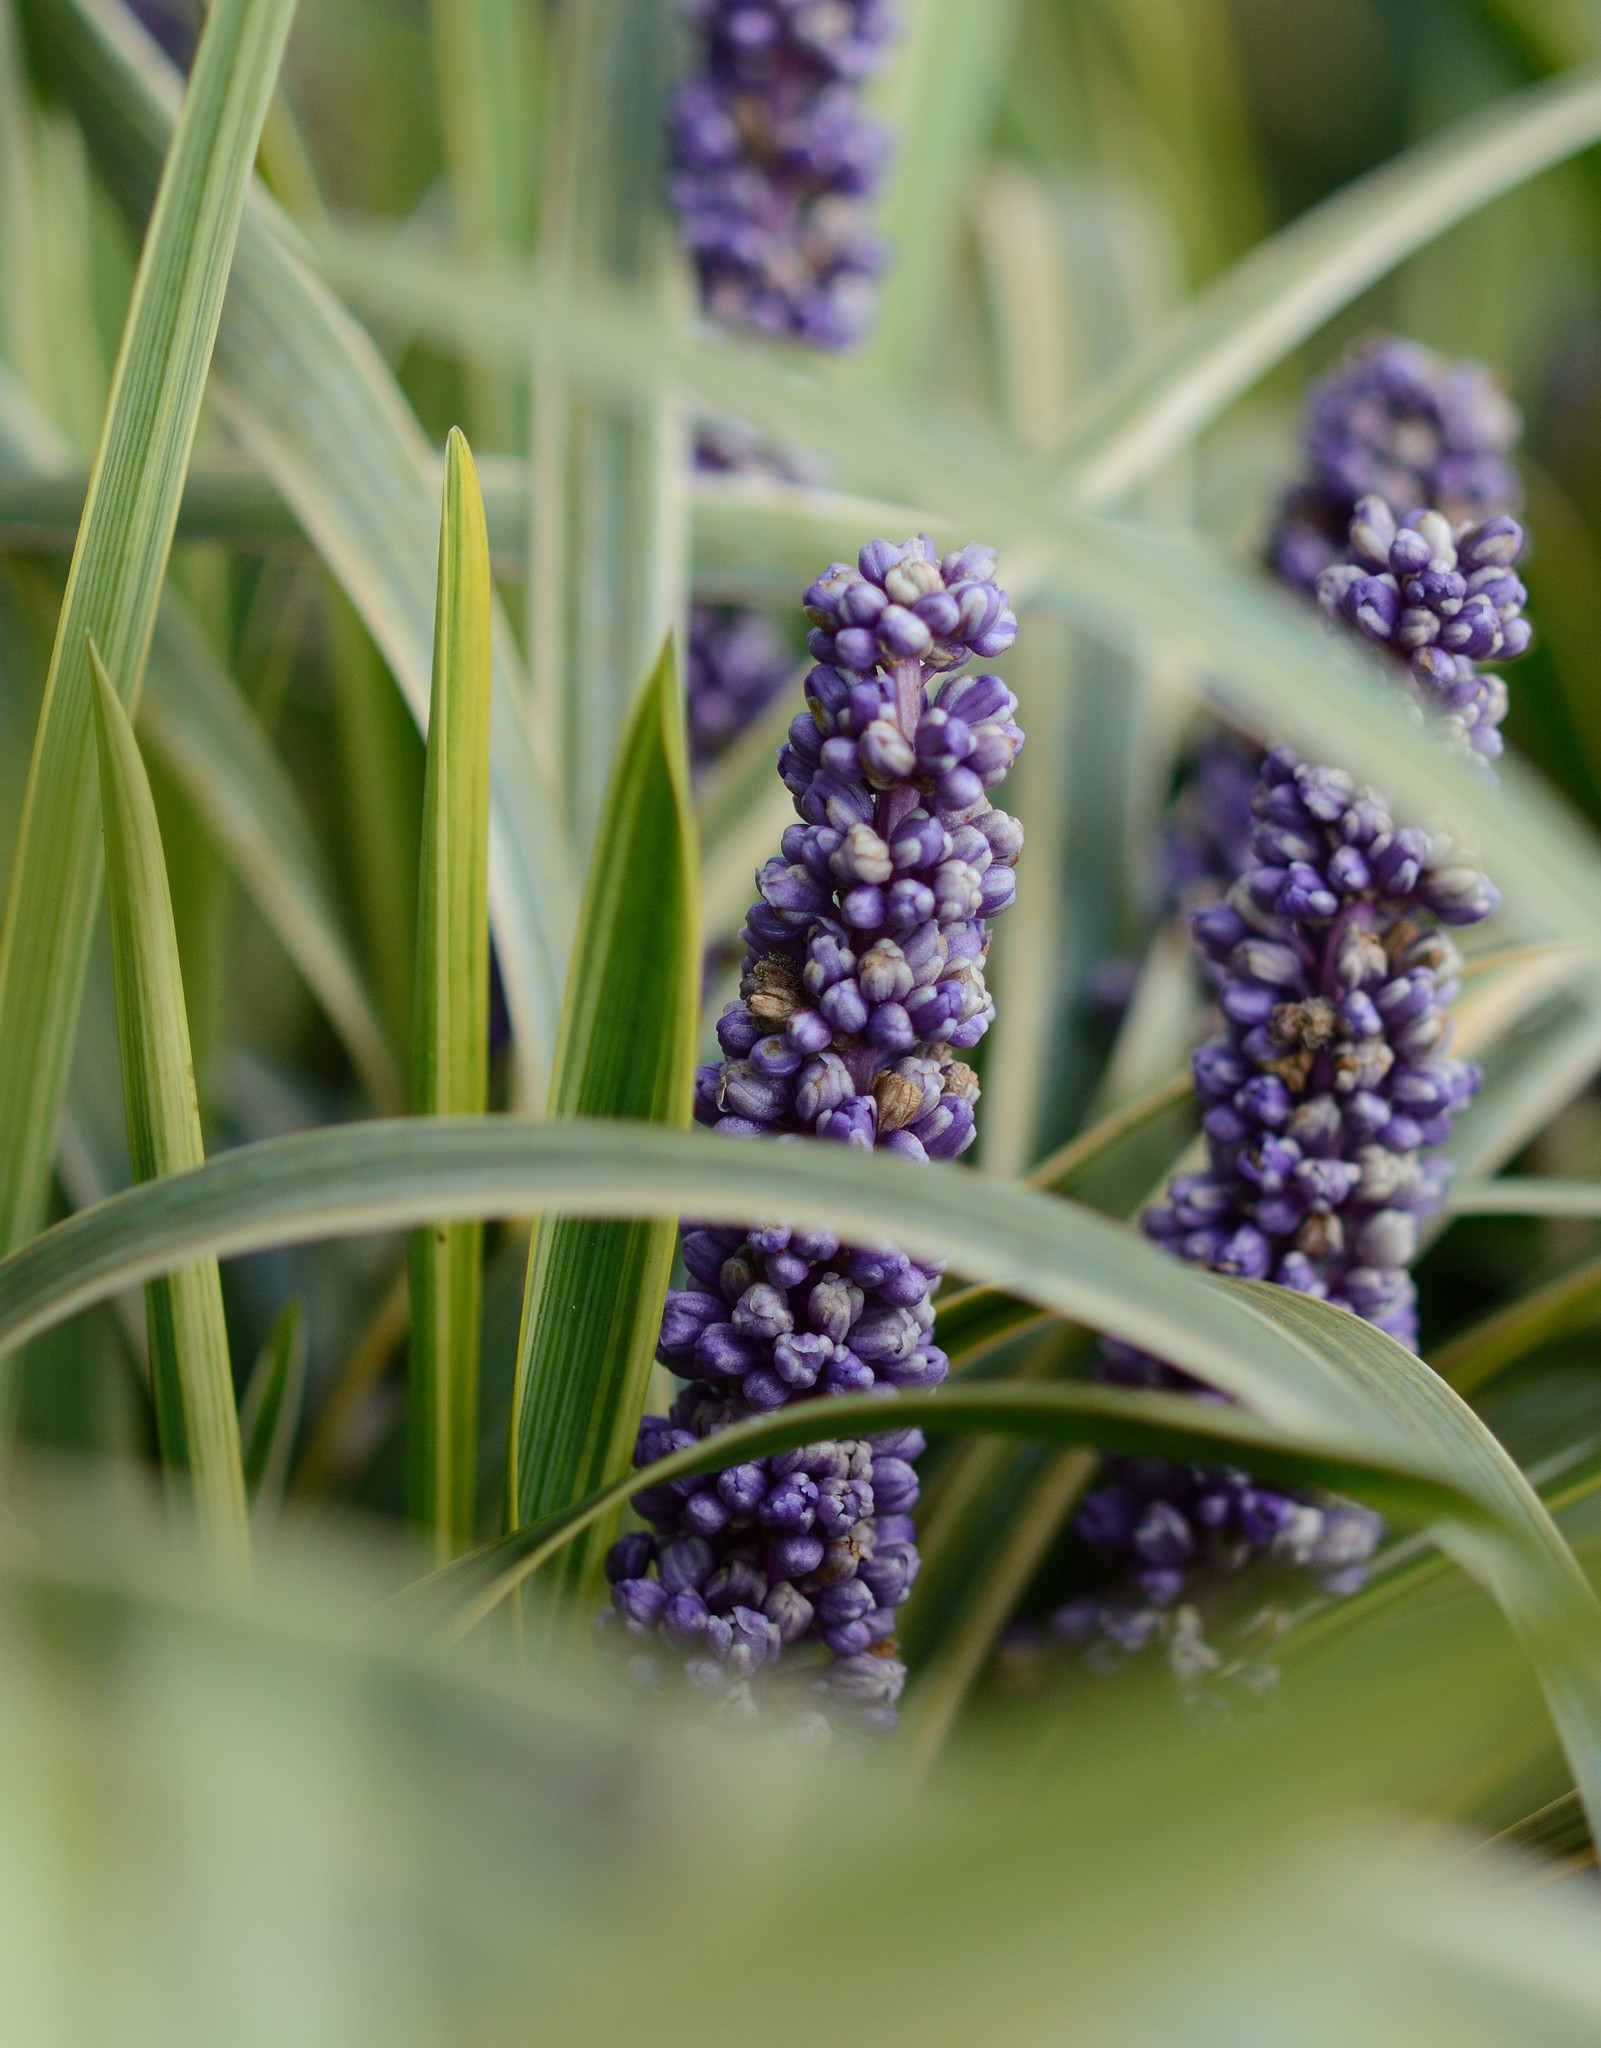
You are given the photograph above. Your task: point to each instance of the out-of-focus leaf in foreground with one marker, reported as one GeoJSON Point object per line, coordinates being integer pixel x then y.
{"type": "Point", "coordinates": [1310, 1371]}
{"type": "Point", "coordinates": [116, 574]}
{"type": "Point", "coordinates": [447, 1855]}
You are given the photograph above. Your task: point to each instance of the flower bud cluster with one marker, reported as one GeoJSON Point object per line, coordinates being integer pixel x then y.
{"type": "Point", "coordinates": [1332, 1077]}
{"type": "Point", "coordinates": [1441, 601]}
{"type": "Point", "coordinates": [774, 162]}
{"type": "Point", "coordinates": [863, 980]}
{"type": "Point", "coordinates": [1397, 422]}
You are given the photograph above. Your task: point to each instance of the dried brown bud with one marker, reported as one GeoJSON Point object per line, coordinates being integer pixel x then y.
{"type": "Point", "coordinates": [959, 1079]}
{"type": "Point", "coordinates": [771, 988]}
{"type": "Point", "coordinates": [1361, 1065]}
{"type": "Point", "coordinates": [899, 1099]}
{"type": "Point", "coordinates": [1311, 1024]}
{"type": "Point", "coordinates": [1321, 1237]}
{"type": "Point", "coordinates": [1293, 1069]}
{"type": "Point", "coordinates": [1401, 934]}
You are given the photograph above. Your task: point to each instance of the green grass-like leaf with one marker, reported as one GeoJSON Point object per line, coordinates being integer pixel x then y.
{"type": "Point", "coordinates": [269, 1409]}
{"type": "Point", "coordinates": [317, 407]}
{"type": "Point", "coordinates": [116, 574]}
{"type": "Point", "coordinates": [191, 1378]}
{"type": "Point", "coordinates": [1257, 312]}
{"type": "Point", "coordinates": [594, 1297]}
{"type": "Point", "coordinates": [1314, 1375]}
{"type": "Point", "coordinates": [450, 1040]}
{"type": "Point", "coordinates": [199, 723]}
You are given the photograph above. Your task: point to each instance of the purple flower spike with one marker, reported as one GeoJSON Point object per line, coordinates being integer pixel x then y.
{"type": "Point", "coordinates": [1396, 426]}
{"type": "Point", "coordinates": [774, 161]}
{"type": "Point", "coordinates": [863, 983]}
{"type": "Point", "coordinates": [1334, 972]}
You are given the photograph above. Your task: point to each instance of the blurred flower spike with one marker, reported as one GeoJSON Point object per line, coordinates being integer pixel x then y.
{"type": "Point", "coordinates": [774, 162]}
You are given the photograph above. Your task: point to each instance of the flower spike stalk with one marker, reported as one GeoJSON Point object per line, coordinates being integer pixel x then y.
{"type": "Point", "coordinates": [863, 982]}
{"type": "Point", "coordinates": [1332, 1079]}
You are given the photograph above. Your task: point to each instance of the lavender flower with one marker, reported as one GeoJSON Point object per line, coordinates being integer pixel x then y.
{"type": "Point", "coordinates": [863, 980]}
{"type": "Point", "coordinates": [774, 162]}
{"type": "Point", "coordinates": [1332, 1077]}
{"type": "Point", "coordinates": [1400, 423]}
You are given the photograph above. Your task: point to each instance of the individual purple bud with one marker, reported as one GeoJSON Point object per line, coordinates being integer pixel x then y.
{"type": "Point", "coordinates": [630, 1557]}
{"type": "Point", "coordinates": [1497, 543]}
{"type": "Point", "coordinates": [685, 1565]}
{"type": "Point", "coordinates": [851, 1124]}
{"type": "Point", "coordinates": [685, 1316]}
{"type": "Point", "coordinates": [641, 1602]}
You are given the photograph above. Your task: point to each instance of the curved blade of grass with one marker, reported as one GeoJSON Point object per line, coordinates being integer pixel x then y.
{"type": "Point", "coordinates": [1271, 300]}
{"type": "Point", "coordinates": [116, 574]}
{"type": "Point", "coordinates": [210, 740]}
{"type": "Point", "coordinates": [1109, 1158]}
{"type": "Point", "coordinates": [1530, 1570]}
{"type": "Point", "coordinates": [1495, 1341]}
{"type": "Point", "coordinates": [1156, 1425]}
{"type": "Point", "coordinates": [450, 1039]}
{"type": "Point", "coordinates": [191, 1379]}
{"type": "Point", "coordinates": [1137, 586]}
{"type": "Point", "coordinates": [316, 406]}
{"type": "Point", "coordinates": [593, 1303]}
{"type": "Point", "coordinates": [269, 1412]}
{"type": "Point", "coordinates": [393, 1175]}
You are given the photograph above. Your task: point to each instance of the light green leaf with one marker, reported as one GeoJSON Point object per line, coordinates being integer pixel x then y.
{"type": "Point", "coordinates": [1140, 587]}
{"type": "Point", "coordinates": [1313, 1375]}
{"type": "Point", "coordinates": [193, 716]}
{"type": "Point", "coordinates": [191, 1379]}
{"type": "Point", "coordinates": [1270, 301]}
{"type": "Point", "coordinates": [595, 1289]}
{"type": "Point", "coordinates": [450, 1041]}
{"type": "Point", "coordinates": [608, 555]}
{"type": "Point", "coordinates": [1145, 1425]}
{"type": "Point", "coordinates": [1529, 1568]}
{"type": "Point", "coordinates": [939, 94]}
{"type": "Point", "coordinates": [116, 575]}
{"type": "Point", "coordinates": [269, 1412]}
{"type": "Point", "coordinates": [312, 400]}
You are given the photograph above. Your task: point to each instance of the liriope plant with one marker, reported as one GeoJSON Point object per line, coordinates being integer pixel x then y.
{"type": "Point", "coordinates": [560, 965]}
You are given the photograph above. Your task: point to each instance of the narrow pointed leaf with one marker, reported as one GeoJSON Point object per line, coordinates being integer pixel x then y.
{"type": "Point", "coordinates": [195, 718]}
{"type": "Point", "coordinates": [116, 574]}
{"type": "Point", "coordinates": [315, 404]}
{"type": "Point", "coordinates": [1152, 1425]}
{"type": "Point", "coordinates": [594, 1297]}
{"type": "Point", "coordinates": [269, 1413]}
{"type": "Point", "coordinates": [450, 1039]}
{"type": "Point", "coordinates": [1284, 290]}
{"type": "Point", "coordinates": [190, 1375]}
